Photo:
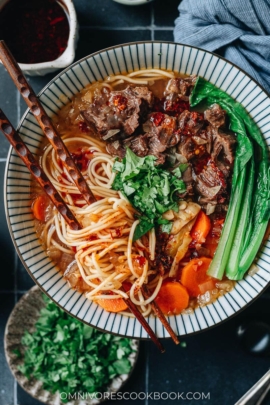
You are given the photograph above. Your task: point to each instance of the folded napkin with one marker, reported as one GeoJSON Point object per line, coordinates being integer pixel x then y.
{"type": "Point", "coordinates": [239, 30]}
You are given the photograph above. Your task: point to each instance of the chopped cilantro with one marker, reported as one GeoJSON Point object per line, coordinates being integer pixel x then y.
{"type": "Point", "coordinates": [149, 188]}
{"type": "Point", "coordinates": [69, 356]}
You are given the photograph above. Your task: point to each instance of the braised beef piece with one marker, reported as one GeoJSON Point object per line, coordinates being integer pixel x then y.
{"type": "Point", "coordinates": [215, 116]}
{"type": "Point", "coordinates": [192, 138]}
{"type": "Point", "coordinates": [138, 145]}
{"type": "Point", "coordinates": [211, 183]}
{"type": "Point", "coordinates": [190, 123]}
{"type": "Point", "coordinates": [187, 177]}
{"type": "Point", "coordinates": [118, 110]}
{"type": "Point", "coordinates": [180, 86]}
{"type": "Point", "coordinates": [177, 94]}
{"type": "Point", "coordinates": [161, 131]}
{"type": "Point", "coordinates": [223, 142]}
{"type": "Point", "coordinates": [223, 146]}
{"type": "Point", "coordinates": [116, 148]}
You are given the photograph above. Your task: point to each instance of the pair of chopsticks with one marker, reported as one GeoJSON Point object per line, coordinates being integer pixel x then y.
{"type": "Point", "coordinates": [62, 152]}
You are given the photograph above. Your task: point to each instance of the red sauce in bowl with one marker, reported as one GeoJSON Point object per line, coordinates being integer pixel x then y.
{"type": "Point", "coordinates": [35, 30]}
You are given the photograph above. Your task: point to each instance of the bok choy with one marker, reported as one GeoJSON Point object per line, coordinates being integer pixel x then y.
{"type": "Point", "coordinates": [248, 212]}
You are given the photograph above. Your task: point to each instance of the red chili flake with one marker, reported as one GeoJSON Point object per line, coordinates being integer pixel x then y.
{"type": "Point", "coordinates": [126, 286]}
{"type": "Point", "coordinates": [120, 102]}
{"type": "Point", "coordinates": [157, 118]}
{"type": "Point", "coordinates": [118, 232]}
{"type": "Point", "coordinates": [57, 20]}
{"type": "Point", "coordinates": [201, 163]}
{"type": "Point", "coordinates": [92, 237]}
{"type": "Point", "coordinates": [74, 249]}
{"type": "Point", "coordinates": [175, 108]}
{"type": "Point", "coordinates": [83, 126]}
{"type": "Point", "coordinates": [81, 159]}
{"type": "Point", "coordinates": [35, 30]}
{"type": "Point", "coordinates": [141, 260]}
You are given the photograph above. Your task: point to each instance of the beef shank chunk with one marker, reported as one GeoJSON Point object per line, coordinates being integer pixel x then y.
{"type": "Point", "coordinates": [193, 139]}
{"type": "Point", "coordinates": [210, 183]}
{"type": "Point", "coordinates": [223, 141]}
{"type": "Point", "coordinates": [180, 86]}
{"type": "Point", "coordinates": [161, 131]}
{"type": "Point", "coordinates": [118, 110]}
{"type": "Point", "coordinates": [138, 145]}
{"type": "Point", "coordinates": [215, 116]}
{"type": "Point", "coordinates": [190, 123]}
{"type": "Point", "coordinates": [223, 145]}
{"type": "Point", "coordinates": [116, 149]}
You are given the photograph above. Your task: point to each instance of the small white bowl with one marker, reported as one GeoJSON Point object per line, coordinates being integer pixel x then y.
{"type": "Point", "coordinates": [67, 57]}
{"type": "Point", "coordinates": [133, 2]}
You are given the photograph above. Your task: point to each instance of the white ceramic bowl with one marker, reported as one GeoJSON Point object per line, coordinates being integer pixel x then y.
{"type": "Point", "coordinates": [67, 57]}
{"type": "Point", "coordinates": [122, 59]}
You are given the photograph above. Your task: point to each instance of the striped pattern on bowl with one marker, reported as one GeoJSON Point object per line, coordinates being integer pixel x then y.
{"type": "Point", "coordinates": [123, 59]}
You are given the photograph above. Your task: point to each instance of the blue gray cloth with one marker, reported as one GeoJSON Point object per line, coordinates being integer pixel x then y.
{"type": "Point", "coordinates": [239, 30]}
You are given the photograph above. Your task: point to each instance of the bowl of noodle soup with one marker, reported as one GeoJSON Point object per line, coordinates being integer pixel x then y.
{"type": "Point", "coordinates": [73, 267]}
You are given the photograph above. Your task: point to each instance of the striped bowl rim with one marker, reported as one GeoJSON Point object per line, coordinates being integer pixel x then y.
{"type": "Point", "coordinates": [123, 58]}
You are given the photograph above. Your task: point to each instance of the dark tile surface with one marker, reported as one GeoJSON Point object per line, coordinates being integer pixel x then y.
{"type": "Point", "coordinates": [8, 98]}
{"type": "Point", "coordinates": [24, 281]}
{"type": "Point", "coordinates": [7, 255]}
{"type": "Point", "coordinates": [93, 40]}
{"type": "Point", "coordinates": [165, 12]}
{"type": "Point", "coordinates": [6, 378]}
{"type": "Point", "coordinates": [111, 14]}
{"type": "Point", "coordinates": [212, 362]}
{"type": "Point", "coordinates": [163, 35]}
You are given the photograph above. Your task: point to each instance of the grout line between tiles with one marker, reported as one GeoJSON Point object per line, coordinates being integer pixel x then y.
{"type": "Point", "coordinates": [152, 22]}
{"type": "Point", "coordinates": [139, 27]}
{"type": "Point", "coordinates": [147, 374]}
{"type": "Point", "coordinates": [15, 302]}
{"type": "Point", "coordinates": [3, 160]}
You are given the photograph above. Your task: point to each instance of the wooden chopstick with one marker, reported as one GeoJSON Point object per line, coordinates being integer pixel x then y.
{"type": "Point", "coordinates": [160, 315]}
{"type": "Point", "coordinates": [62, 152]}
{"type": "Point", "coordinates": [132, 307]}
{"type": "Point", "coordinates": [33, 166]}
{"type": "Point", "coordinates": [44, 121]}
{"type": "Point", "coordinates": [29, 160]}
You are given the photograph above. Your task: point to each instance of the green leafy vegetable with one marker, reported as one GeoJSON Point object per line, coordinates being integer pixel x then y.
{"type": "Point", "coordinates": [232, 270]}
{"type": "Point", "coordinates": [256, 211]}
{"type": "Point", "coordinates": [69, 356]}
{"type": "Point", "coordinates": [149, 188]}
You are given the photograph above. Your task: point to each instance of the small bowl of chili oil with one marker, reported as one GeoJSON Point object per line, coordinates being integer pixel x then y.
{"type": "Point", "coordinates": [41, 34]}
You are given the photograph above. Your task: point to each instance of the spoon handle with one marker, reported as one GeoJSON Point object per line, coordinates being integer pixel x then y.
{"type": "Point", "coordinates": [257, 393]}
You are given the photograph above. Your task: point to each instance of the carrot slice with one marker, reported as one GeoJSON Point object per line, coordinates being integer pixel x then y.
{"type": "Point", "coordinates": [207, 285]}
{"type": "Point", "coordinates": [201, 228]}
{"type": "Point", "coordinates": [113, 305]}
{"type": "Point", "coordinates": [39, 207]}
{"type": "Point", "coordinates": [194, 275]}
{"type": "Point", "coordinates": [172, 298]}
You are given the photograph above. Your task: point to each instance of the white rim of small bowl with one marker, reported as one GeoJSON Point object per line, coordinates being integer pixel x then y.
{"type": "Point", "coordinates": [146, 54]}
{"type": "Point", "coordinates": [133, 2]}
